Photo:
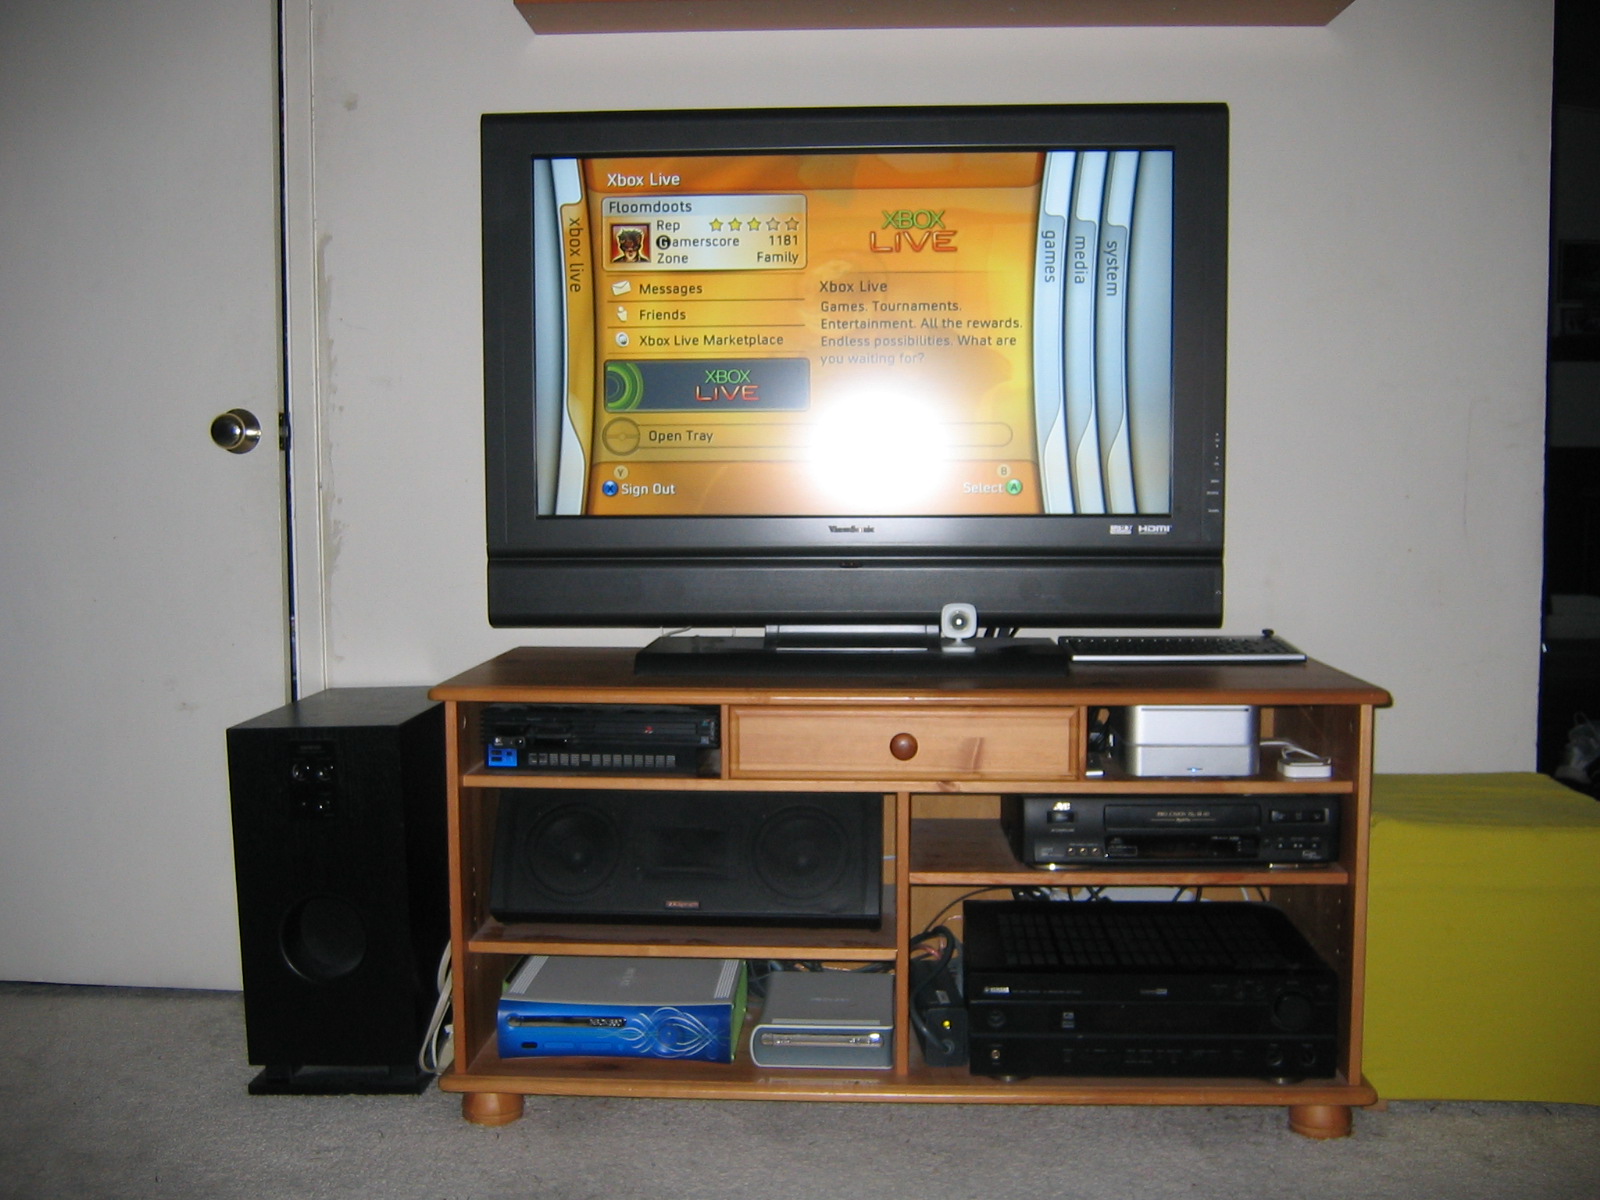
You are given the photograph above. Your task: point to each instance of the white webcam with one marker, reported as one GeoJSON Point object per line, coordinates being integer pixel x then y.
{"type": "Point", "coordinates": [958, 623]}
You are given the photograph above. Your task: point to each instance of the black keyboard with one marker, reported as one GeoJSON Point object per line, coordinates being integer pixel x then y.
{"type": "Point", "coordinates": [1169, 648]}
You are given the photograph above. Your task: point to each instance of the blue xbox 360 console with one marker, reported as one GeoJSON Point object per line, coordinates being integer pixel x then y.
{"type": "Point", "coordinates": [683, 1008]}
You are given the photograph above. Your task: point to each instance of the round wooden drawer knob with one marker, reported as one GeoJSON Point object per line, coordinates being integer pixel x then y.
{"type": "Point", "coordinates": [903, 746]}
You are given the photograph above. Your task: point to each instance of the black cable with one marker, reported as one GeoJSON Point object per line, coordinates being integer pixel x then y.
{"type": "Point", "coordinates": [928, 928]}
{"type": "Point", "coordinates": [931, 972]}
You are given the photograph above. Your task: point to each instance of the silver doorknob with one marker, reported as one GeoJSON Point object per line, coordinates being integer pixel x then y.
{"type": "Point", "coordinates": [236, 431]}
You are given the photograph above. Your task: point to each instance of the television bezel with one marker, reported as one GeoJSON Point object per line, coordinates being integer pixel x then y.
{"type": "Point", "coordinates": [1059, 571]}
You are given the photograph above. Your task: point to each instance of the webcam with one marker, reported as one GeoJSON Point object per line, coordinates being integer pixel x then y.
{"type": "Point", "coordinates": [958, 623]}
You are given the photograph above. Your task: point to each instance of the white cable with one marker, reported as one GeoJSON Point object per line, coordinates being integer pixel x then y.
{"type": "Point", "coordinates": [438, 1048]}
{"type": "Point", "coordinates": [1296, 762]}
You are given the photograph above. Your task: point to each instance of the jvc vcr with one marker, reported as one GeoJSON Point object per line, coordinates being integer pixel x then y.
{"type": "Point", "coordinates": [1066, 831]}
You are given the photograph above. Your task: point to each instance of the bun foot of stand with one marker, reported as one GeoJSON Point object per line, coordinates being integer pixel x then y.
{"type": "Point", "coordinates": [491, 1108]}
{"type": "Point", "coordinates": [1320, 1120]}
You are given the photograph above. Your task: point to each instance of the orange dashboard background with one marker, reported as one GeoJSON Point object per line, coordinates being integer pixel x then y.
{"type": "Point", "coordinates": [917, 337]}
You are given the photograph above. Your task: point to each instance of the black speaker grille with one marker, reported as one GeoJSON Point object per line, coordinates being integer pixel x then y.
{"type": "Point", "coordinates": [685, 857]}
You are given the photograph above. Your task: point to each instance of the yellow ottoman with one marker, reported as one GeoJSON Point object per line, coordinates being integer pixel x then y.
{"type": "Point", "coordinates": [1483, 940]}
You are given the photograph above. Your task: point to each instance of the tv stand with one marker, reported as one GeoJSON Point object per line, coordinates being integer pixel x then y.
{"type": "Point", "coordinates": [853, 654]}
{"type": "Point", "coordinates": [939, 752]}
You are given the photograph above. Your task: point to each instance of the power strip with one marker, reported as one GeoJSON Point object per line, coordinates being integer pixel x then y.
{"type": "Point", "coordinates": [938, 1013]}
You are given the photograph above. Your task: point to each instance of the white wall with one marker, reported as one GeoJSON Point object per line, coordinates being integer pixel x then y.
{"type": "Point", "coordinates": [1390, 181]}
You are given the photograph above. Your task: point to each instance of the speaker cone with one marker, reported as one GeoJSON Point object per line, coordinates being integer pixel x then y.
{"type": "Point", "coordinates": [323, 938]}
{"type": "Point", "coordinates": [801, 852]}
{"type": "Point", "coordinates": [572, 850]}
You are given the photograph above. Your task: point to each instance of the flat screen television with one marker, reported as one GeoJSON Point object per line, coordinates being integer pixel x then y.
{"type": "Point", "coordinates": [845, 367]}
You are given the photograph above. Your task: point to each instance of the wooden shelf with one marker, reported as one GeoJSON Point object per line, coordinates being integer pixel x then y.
{"type": "Point", "coordinates": [1114, 784]}
{"type": "Point", "coordinates": [670, 16]}
{"type": "Point", "coordinates": [696, 941]}
{"type": "Point", "coordinates": [580, 675]}
{"type": "Point", "coordinates": [942, 836]}
{"type": "Point", "coordinates": [741, 1080]}
{"type": "Point", "coordinates": [480, 777]}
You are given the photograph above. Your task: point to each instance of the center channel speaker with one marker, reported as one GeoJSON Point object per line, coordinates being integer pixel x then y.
{"type": "Point", "coordinates": [690, 857]}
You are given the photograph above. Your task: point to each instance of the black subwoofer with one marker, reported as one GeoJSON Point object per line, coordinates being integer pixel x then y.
{"type": "Point", "coordinates": [710, 857]}
{"type": "Point", "coordinates": [340, 861]}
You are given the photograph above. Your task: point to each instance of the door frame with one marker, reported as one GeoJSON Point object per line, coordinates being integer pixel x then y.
{"type": "Point", "coordinates": [305, 351]}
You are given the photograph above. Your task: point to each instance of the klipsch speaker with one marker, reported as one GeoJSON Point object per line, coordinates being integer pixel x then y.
{"type": "Point", "coordinates": [339, 831]}
{"type": "Point", "coordinates": [708, 857]}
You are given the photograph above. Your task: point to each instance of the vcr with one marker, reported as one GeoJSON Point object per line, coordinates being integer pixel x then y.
{"type": "Point", "coordinates": [1063, 831]}
{"type": "Point", "coordinates": [572, 739]}
{"type": "Point", "coordinates": [1145, 988]}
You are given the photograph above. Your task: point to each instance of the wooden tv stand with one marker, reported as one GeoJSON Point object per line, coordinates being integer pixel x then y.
{"type": "Point", "coordinates": [939, 750]}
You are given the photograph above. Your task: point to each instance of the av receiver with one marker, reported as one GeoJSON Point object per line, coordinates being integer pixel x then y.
{"type": "Point", "coordinates": [1145, 988]}
{"type": "Point", "coordinates": [1065, 831]}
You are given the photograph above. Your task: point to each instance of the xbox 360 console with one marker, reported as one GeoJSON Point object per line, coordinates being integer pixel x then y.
{"type": "Point", "coordinates": [690, 1009]}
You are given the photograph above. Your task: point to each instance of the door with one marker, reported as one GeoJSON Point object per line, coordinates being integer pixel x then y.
{"type": "Point", "coordinates": [141, 567]}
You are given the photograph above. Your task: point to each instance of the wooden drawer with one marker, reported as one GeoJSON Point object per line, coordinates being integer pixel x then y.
{"type": "Point", "coordinates": [903, 743]}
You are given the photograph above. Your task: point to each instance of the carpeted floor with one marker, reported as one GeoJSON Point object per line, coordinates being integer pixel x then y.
{"type": "Point", "coordinates": [111, 1092]}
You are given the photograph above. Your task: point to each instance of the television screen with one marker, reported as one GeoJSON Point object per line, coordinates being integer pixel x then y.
{"type": "Point", "coordinates": [833, 334]}
{"type": "Point", "coordinates": [804, 365]}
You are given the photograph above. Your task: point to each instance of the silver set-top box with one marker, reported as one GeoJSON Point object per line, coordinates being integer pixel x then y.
{"type": "Point", "coordinates": [1185, 740]}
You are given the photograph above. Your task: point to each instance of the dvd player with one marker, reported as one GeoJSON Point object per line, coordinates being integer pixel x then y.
{"type": "Point", "coordinates": [1145, 988]}
{"type": "Point", "coordinates": [1056, 832]}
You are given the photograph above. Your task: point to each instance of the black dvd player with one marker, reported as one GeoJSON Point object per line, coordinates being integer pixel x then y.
{"type": "Point", "coordinates": [572, 739]}
{"type": "Point", "coordinates": [1276, 830]}
{"type": "Point", "coordinates": [1142, 988]}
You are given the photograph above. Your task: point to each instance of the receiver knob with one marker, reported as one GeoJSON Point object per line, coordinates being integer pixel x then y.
{"type": "Point", "coordinates": [903, 746]}
{"type": "Point", "coordinates": [1292, 1012]}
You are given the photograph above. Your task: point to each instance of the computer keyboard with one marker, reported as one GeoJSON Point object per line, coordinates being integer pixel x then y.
{"type": "Point", "coordinates": [1183, 647]}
